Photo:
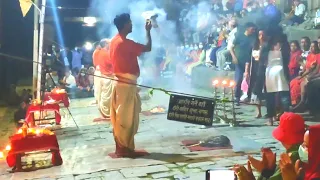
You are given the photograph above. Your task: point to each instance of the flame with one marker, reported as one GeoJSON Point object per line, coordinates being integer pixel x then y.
{"type": "Point", "coordinates": [232, 84]}
{"type": "Point", "coordinates": [8, 147]}
{"type": "Point", "coordinates": [1, 155]}
{"type": "Point", "coordinates": [224, 82]}
{"type": "Point", "coordinates": [19, 131]}
{"type": "Point", "coordinates": [58, 91]}
{"type": "Point", "coordinates": [215, 82]}
{"type": "Point", "coordinates": [157, 110]}
{"type": "Point", "coordinates": [38, 131]}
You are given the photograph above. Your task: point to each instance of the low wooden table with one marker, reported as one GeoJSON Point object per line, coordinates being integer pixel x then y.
{"type": "Point", "coordinates": [21, 145]}
{"type": "Point", "coordinates": [59, 97]}
{"type": "Point", "coordinates": [44, 108]}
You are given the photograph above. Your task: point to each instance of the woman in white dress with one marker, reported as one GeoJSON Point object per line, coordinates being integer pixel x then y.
{"type": "Point", "coordinates": [276, 80]}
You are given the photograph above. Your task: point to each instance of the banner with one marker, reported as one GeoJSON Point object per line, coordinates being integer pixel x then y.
{"type": "Point", "coordinates": [25, 6]}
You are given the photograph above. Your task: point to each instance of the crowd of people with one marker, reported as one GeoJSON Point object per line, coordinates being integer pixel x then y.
{"type": "Point", "coordinates": [262, 58]}
{"type": "Point", "coordinates": [70, 70]}
{"type": "Point", "coordinates": [284, 74]}
{"type": "Point", "coordinates": [301, 159]}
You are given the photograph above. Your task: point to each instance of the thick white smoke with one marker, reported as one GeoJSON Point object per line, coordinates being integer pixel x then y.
{"type": "Point", "coordinates": [163, 36]}
{"type": "Point", "coordinates": [108, 9]}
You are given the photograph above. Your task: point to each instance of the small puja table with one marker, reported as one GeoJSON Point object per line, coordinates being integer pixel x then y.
{"type": "Point", "coordinates": [36, 140]}
{"type": "Point", "coordinates": [57, 95]}
{"type": "Point", "coordinates": [33, 108]}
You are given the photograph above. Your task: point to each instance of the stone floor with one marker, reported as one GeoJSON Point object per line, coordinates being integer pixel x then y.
{"type": "Point", "coordinates": [85, 150]}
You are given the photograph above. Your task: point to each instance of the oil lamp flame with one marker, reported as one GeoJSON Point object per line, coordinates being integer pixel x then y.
{"type": "Point", "coordinates": [215, 82]}
{"type": "Point", "coordinates": [19, 131]}
{"type": "Point", "coordinates": [232, 84]}
{"type": "Point", "coordinates": [224, 82]}
{"type": "Point", "coordinates": [38, 131]}
{"type": "Point", "coordinates": [8, 147]}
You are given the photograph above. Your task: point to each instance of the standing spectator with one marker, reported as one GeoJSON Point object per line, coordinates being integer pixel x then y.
{"type": "Point", "coordinates": [87, 57]}
{"type": "Point", "coordinates": [241, 55]}
{"type": "Point", "coordinates": [276, 80]}
{"type": "Point", "coordinates": [257, 73]}
{"type": "Point", "coordinates": [59, 64]}
{"type": "Point", "coordinates": [76, 58]}
{"type": "Point", "coordinates": [65, 59]}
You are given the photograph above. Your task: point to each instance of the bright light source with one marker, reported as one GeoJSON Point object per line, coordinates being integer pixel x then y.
{"type": "Point", "coordinates": [232, 84]}
{"type": "Point", "coordinates": [38, 131]}
{"type": "Point", "coordinates": [1, 155]}
{"type": "Point", "coordinates": [215, 82]}
{"type": "Point", "coordinates": [59, 7]}
{"type": "Point", "coordinates": [19, 131]}
{"type": "Point", "coordinates": [224, 82]}
{"type": "Point", "coordinates": [8, 147]}
{"type": "Point", "coordinates": [88, 46]}
{"type": "Point", "coordinates": [90, 21]}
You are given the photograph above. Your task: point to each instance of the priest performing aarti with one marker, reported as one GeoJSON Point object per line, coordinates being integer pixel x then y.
{"type": "Point", "coordinates": [125, 100]}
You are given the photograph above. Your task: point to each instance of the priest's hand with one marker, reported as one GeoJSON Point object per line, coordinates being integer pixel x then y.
{"type": "Point", "coordinates": [148, 25]}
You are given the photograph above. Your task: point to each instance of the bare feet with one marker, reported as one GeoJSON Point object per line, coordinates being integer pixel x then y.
{"type": "Point", "coordinates": [259, 115]}
{"type": "Point", "coordinates": [270, 122]}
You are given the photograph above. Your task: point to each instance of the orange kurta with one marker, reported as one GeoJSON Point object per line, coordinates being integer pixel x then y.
{"type": "Point", "coordinates": [124, 55]}
{"type": "Point", "coordinates": [101, 59]}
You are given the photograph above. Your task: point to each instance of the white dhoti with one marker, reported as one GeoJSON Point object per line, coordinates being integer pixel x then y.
{"type": "Point", "coordinates": [104, 102]}
{"type": "Point", "coordinates": [125, 109]}
{"type": "Point", "coordinates": [97, 84]}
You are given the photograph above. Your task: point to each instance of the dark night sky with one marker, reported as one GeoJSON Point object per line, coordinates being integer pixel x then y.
{"type": "Point", "coordinates": [18, 36]}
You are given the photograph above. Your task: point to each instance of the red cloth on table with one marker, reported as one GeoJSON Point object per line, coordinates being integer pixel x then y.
{"type": "Point", "coordinates": [295, 84]}
{"type": "Point", "coordinates": [20, 144]}
{"type": "Point", "coordinates": [59, 97]}
{"type": "Point", "coordinates": [47, 107]}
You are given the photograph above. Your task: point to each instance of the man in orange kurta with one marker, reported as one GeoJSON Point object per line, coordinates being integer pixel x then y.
{"type": "Point", "coordinates": [103, 73]}
{"type": "Point", "coordinates": [125, 103]}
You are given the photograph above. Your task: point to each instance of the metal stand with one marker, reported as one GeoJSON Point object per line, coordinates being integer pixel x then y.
{"type": "Point", "coordinates": [234, 120]}
{"type": "Point", "coordinates": [46, 70]}
{"type": "Point", "coordinates": [222, 105]}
